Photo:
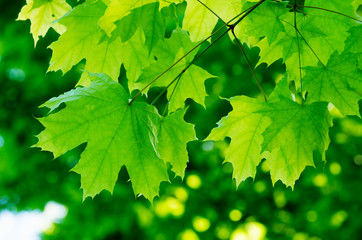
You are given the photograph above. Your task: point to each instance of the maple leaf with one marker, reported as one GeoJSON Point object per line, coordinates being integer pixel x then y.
{"type": "Point", "coordinates": [148, 18]}
{"type": "Point", "coordinates": [285, 139]}
{"type": "Point", "coordinates": [132, 135]}
{"type": "Point", "coordinates": [43, 15]}
{"type": "Point", "coordinates": [118, 9]}
{"type": "Point", "coordinates": [81, 37]}
{"type": "Point", "coordinates": [317, 42]}
{"type": "Point", "coordinates": [107, 54]}
{"type": "Point", "coordinates": [266, 20]}
{"type": "Point", "coordinates": [174, 134]}
{"type": "Point", "coordinates": [129, 138]}
{"type": "Point", "coordinates": [339, 82]}
{"type": "Point", "coordinates": [244, 127]}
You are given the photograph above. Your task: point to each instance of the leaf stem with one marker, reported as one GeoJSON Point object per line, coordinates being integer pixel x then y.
{"type": "Point", "coordinates": [213, 12]}
{"type": "Point", "coordinates": [306, 42]}
{"type": "Point", "coordinates": [251, 68]}
{"type": "Point", "coordinates": [189, 52]}
{"type": "Point", "coordinates": [328, 10]}
{"type": "Point", "coordinates": [315, 54]}
{"type": "Point", "coordinates": [299, 58]}
{"type": "Point", "coordinates": [230, 27]}
{"type": "Point", "coordinates": [178, 77]}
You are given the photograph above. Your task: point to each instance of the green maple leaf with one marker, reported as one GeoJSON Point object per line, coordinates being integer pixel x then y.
{"type": "Point", "coordinates": [295, 133]}
{"type": "Point", "coordinates": [266, 20]}
{"type": "Point", "coordinates": [116, 134]}
{"type": "Point", "coordinates": [149, 19]}
{"type": "Point", "coordinates": [135, 57]}
{"type": "Point", "coordinates": [174, 134]}
{"type": "Point", "coordinates": [339, 82]}
{"type": "Point", "coordinates": [285, 47]}
{"type": "Point", "coordinates": [118, 9]}
{"type": "Point", "coordinates": [200, 21]}
{"type": "Point", "coordinates": [81, 37]}
{"type": "Point", "coordinates": [244, 127]}
{"type": "Point", "coordinates": [354, 43]}
{"type": "Point", "coordinates": [43, 15]}
{"type": "Point", "coordinates": [317, 41]}
{"type": "Point", "coordinates": [191, 83]}
{"type": "Point", "coordinates": [106, 54]}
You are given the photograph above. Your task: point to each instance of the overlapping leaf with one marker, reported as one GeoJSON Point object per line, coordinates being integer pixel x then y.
{"type": "Point", "coordinates": [85, 40]}
{"type": "Point", "coordinates": [277, 130]}
{"type": "Point", "coordinates": [244, 127]}
{"type": "Point", "coordinates": [118, 9]}
{"type": "Point", "coordinates": [265, 21]}
{"type": "Point", "coordinates": [43, 15]}
{"type": "Point", "coordinates": [295, 133]}
{"type": "Point", "coordinates": [200, 21]}
{"type": "Point", "coordinates": [339, 82]}
{"type": "Point", "coordinates": [191, 82]}
{"type": "Point", "coordinates": [317, 40]}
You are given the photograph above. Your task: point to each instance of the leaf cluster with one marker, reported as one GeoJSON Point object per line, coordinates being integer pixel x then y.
{"type": "Point", "coordinates": [319, 42]}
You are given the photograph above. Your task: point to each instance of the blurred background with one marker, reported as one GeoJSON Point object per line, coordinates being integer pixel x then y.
{"type": "Point", "coordinates": [41, 199]}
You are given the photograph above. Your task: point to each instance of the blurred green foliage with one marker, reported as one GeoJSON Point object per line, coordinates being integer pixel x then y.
{"type": "Point", "coordinates": [326, 202]}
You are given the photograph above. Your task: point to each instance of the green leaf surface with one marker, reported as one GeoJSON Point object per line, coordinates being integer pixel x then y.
{"type": "Point", "coordinates": [43, 15]}
{"type": "Point", "coordinates": [200, 21]}
{"type": "Point", "coordinates": [117, 134]}
{"type": "Point", "coordinates": [118, 9]}
{"type": "Point", "coordinates": [191, 83]}
{"type": "Point", "coordinates": [80, 39]}
{"type": "Point", "coordinates": [295, 133]}
{"type": "Point", "coordinates": [245, 128]}
{"type": "Point", "coordinates": [174, 134]}
{"type": "Point", "coordinates": [266, 20]}
{"type": "Point", "coordinates": [317, 39]}
{"type": "Point", "coordinates": [339, 82]}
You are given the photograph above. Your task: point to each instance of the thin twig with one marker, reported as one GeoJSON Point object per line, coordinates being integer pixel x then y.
{"type": "Point", "coordinates": [190, 51]}
{"type": "Point", "coordinates": [213, 12]}
{"type": "Point", "coordinates": [315, 54]}
{"type": "Point", "coordinates": [178, 77]}
{"type": "Point", "coordinates": [230, 27]}
{"type": "Point", "coordinates": [300, 61]}
{"type": "Point", "coordinates": [306, 42]}
{"type": "Point", "coordinates": [251, 68]}
{"type": "Point", "coordinates": [328, 10]}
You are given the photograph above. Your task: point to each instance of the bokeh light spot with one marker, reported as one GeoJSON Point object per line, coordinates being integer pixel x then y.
{"type": "Point", "coordinates": [2, 141]}
{"type": "Point", "coordinates": [358, 160]}
{"type": "Point", "coordinates": [208, 146]}
{"type": "Point", "coordinates": [201, 224]}
{"type": "Point", "coordinates": [239, 234]}
{"type": "Point", "coordinates": [312, 216]}
{"type": "Point", "coordinates": [279, 199]}
{"type": "Point", "coordinates": [320, 180]}
{"type": "Point", "coordinates": [16, 74]}
{"type": "Point", "coordinates": [335, 168]}
{"type": "Point", "coordinates": [255, 230]}
{"type": "Point", "coordinates": [181, 194]}
{"type": "Point", "coordinates": [222, 231]}
{"type": "Point", "coordinates": [338, 218]}
{"type": "Point", "coordinates": [188, 234]}
{"type": "Point", "coordinates": [260, 186]}
{"type": "Point", "coordinates": [169, 206]}
{"type": "Point", "coordinates": [193, 181]}
{"type": "Point", "coordinates": [235, 215]}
